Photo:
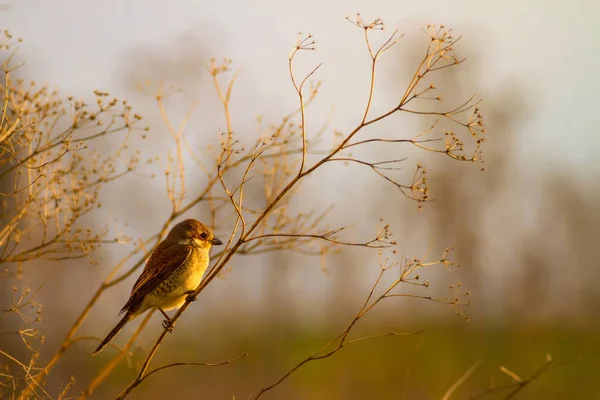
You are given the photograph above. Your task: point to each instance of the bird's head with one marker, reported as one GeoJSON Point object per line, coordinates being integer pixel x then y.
{"type": "Point", "coordinates": [192, 232]}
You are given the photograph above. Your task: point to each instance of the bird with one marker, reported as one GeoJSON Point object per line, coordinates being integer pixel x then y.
{"type": "Point", "coordinates": [173, 272]}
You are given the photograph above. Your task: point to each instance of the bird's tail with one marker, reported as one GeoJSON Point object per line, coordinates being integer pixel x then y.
{"type": "Point", "coordinates": [113, 333]}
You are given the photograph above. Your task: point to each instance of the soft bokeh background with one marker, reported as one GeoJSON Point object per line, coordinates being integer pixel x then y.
{"type": "Point", "coordinates": [526, 230]}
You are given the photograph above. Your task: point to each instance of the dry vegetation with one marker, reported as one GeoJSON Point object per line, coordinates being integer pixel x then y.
{"type": "Point", "coordinates": [51, 179]}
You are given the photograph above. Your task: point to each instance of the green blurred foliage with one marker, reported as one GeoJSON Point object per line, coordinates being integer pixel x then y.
{"type": "Point", "coordinates": [423, 366]}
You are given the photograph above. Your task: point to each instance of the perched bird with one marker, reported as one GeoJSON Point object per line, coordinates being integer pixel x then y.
{"type": "Point", "coordinates": [173, 272]}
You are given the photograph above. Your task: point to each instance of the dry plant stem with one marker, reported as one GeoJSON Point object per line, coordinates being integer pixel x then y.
{"type": "Point", "coordinates": [224, 98]}
{"type": "Point", "coordinates": [520, 384]}
{"type": "Point", "coordinates": [316, 356]}
{"type": "Point", "coordinates": [70, 336]}
{"type": "Point", "coordinates": [108, 368]}
{"type": "Point", "coordinates": [373, 244]}
{"type": "Point", "coordinates": [152, 241]}
{"type": "Point", "coordinates": [233, 245]}
{"type": "Point", "coordinates": [342, 339]}
{"type": "Point", "coordinates": [177, 137]}
{"type": "Point", "coordinates": [202, 364]}
{"type": "Point", "coordinates": [109, 281]}
{"type": "Point", "coordinates": [302, 44]}
{"type": "Point", "coordinates": [407, 270]}
{"type": "Point", "coordinates": [32, 384]}
{"type": "Point", "coordinates": [460, 381]}
{"type": "Point", "coordinates": [54, 186]}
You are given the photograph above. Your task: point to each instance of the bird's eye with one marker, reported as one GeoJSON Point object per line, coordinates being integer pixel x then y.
{"type": "Point", "coordinates": [203, 235]}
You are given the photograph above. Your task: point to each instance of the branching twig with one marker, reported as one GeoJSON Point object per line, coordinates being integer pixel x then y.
{"type": "Point", "coordinates": [178, 364]}
{"type": "Point", "coordinates": [407, 270]}
{"type": "Point", "coordinates": [440, 49]}
{"type": "Point", "coordinates": [278, 160]}
{"type": "Point", "coordinates": [519, 384]}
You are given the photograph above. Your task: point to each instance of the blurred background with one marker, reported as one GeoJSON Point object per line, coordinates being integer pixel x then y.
{"type": "Point", "coordinates": [525, 230]}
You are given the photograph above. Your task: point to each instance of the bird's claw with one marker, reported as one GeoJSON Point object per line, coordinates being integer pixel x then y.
{"type": "Point", "coordinates": [191, 296]}
{"type": "Point", "coordinates": [168, 325]}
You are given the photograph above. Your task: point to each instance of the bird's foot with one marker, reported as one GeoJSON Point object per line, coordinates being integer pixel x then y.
{"type": "Point", "coordinates": [191, 296]}
{"type": "Point", "coordinates": [168, 325]}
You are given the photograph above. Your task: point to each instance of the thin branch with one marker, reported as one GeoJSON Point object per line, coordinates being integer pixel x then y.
{"type": "Point", "coordinates": [205, 364]}
{"type": "Point", "coordinates": [109, 368]}
{"type": "Point", "coordinates": [461, 380]}
{"type": "Point", "coordinates": [376, 243]}
{"type": "Point", "coordinates": [273, 214]}
{"type": "Point", "coordinates": [519, 384]}
{"type": "Point", "coordinates": [26, 369]}
{"type": "Point", "coordinates": [135, 383]}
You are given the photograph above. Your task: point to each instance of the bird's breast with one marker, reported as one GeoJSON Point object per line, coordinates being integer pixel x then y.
{"type": "Point", "coordinates": [171, 292]}
{"type": "Point", "coordinates": [189, 274]}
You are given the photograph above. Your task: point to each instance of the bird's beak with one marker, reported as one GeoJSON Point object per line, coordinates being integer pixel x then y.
{"type": "Point", "coordinates": [216, 242]}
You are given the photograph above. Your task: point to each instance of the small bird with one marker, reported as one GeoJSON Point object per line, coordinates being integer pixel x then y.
{"type": "Point", "coordinates": [172, 273]}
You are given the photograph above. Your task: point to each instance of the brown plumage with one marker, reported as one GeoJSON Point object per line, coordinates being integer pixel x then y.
{"type": "Point", "coordinates": [173, 271]}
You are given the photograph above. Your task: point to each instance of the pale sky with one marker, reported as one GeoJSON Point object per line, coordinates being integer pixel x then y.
{"type": "Point", "coordinates": [552, 47]}
{"type": "Point", "coordinates": [545, 52]}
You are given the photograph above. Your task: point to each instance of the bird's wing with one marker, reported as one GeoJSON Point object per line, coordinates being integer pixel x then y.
{"type": "Point", "coordinates": [165, 260]}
